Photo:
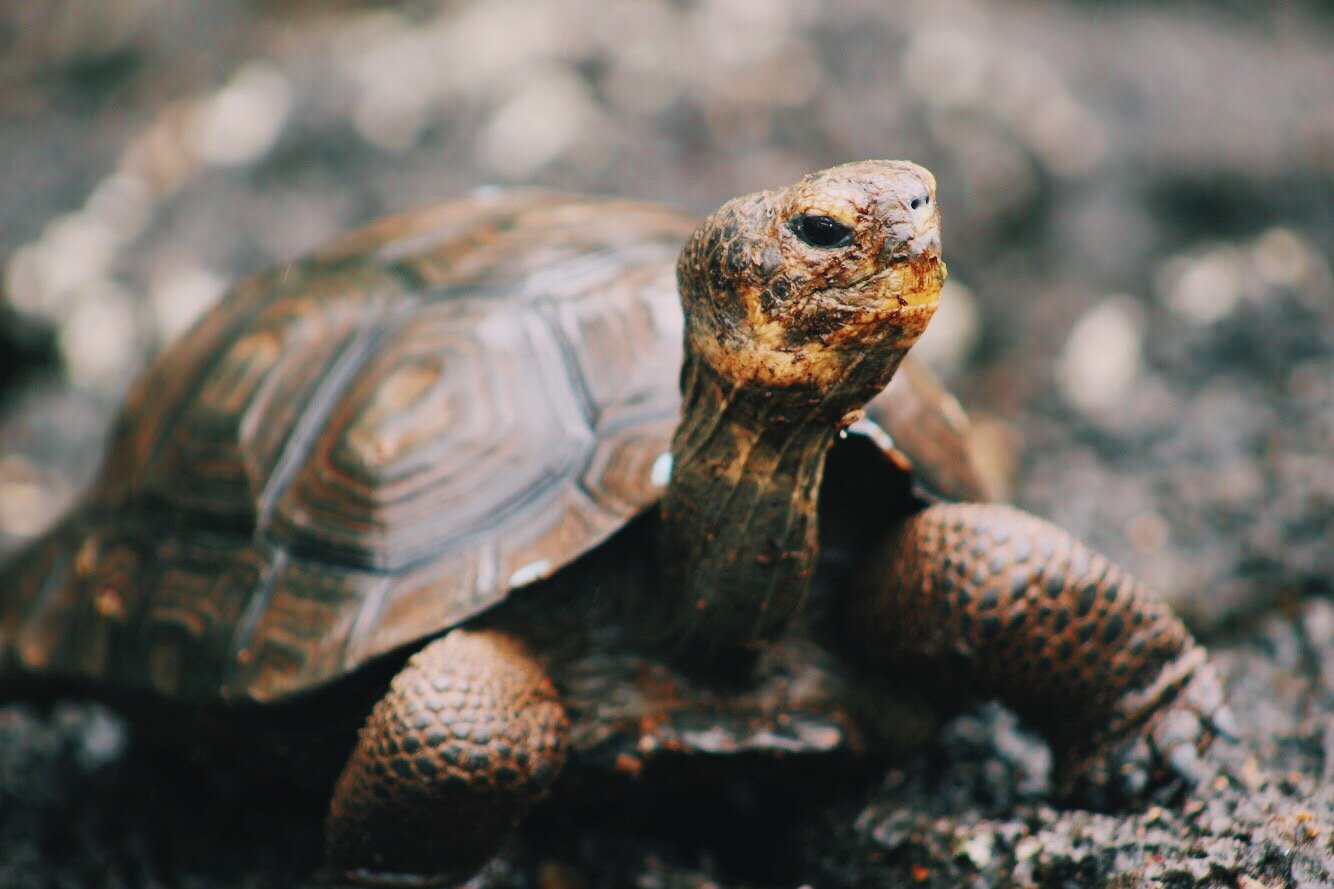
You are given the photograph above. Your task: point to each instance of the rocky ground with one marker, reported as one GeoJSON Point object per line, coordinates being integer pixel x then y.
{"type": "Point", "coordinates": [1138, 210]}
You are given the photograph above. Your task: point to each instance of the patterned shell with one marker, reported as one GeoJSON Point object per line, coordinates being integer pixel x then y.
{"type": "Point", "coordinates": [371, 445]}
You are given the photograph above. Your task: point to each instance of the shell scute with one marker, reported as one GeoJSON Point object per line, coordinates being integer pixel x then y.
{"type": "Point", "coordinates": [439, 593]}
{"type": "Point", "coordinates": [367, 447]}
{"type": "Point", "coordinates": [197, 603]}
{"type": "Point", "coordinates": [302, 628]}
{"type": "Point", "coordinates": [222, 455]}
{"type": "Point", "coordinates": [433, 442]}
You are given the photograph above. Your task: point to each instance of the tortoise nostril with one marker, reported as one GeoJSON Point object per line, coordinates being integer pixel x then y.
{"type": "Point", "coordinates": [918, 203]}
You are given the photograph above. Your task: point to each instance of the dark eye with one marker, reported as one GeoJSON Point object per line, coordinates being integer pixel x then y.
{"type": "Point", "coordinates": [821, 231]}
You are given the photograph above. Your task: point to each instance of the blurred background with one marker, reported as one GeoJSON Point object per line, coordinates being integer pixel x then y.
{"type": "Point", "coordinates": [1137, 200]}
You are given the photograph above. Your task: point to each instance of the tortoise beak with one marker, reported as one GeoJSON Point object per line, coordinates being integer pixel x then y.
{"type": "Point", "coordinates": [926, 243]}
{"type": "Point", "coordinates": [915, 264]}
{"type": "Point", "coordinates": [912, 242]}
{"type": "Point", "coordinates": [911, 280]}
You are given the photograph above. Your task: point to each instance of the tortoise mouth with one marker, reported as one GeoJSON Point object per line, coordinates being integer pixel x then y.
{"type": "Point", "coordinates": [906, 281]}
{"type": "Point", "coordinates": [925, 275]}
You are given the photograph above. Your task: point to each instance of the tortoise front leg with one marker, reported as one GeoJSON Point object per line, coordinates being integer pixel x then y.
{"type": "Point", "coordinates": [1005, 604]}
{"type": "Point", "coordinates": [469, 737]}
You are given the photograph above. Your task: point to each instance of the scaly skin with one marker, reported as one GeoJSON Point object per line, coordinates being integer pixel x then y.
{"type": "Point", "coordinates": [468, 739]}
{"type": "Point", "coordinates": [992, 600]}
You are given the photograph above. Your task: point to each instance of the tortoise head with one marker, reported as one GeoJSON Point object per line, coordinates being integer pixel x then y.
{"type": "Point", "coordinates": [818, 288]}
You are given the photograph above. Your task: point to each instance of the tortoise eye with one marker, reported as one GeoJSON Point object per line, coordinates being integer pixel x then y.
{"type": "Point", "coordinates": [821, 231]}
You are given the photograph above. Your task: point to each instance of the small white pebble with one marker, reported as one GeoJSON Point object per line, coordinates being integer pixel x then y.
{"type": "Point", "coordinates": [30, 498]}
{"type": "Point", "coordinates": [123, 203]}
{"type": "Point", "coordinates": [1102, 359]}
{"type": "Point", "coordinates": [539, 121]}
{"type": "Point", "coordinates": [29, 503]}
{"type": "Point", "coordinates": [395, 69]}
{"type": "Point", "coordinates": [1069, 140]}
{"type": "Point", "coordinates": [99, 339]}
{"type": "Point", "coordinates": [1204, 289]}
{"type": "Point", "coordinates": [75, 248]}
{"type": "Point", "coordinates": [179, 295]}
{"type": "Point", "coordinates": [240, 122]}
{"type": "Point", "coordinates": [41, 278]}
{"type": "Point", "coordinates": [23, 510]}
{"type": "Point", "coordinates": [102, 739]}
{"type": "Point", "coordinates": [661, 473]}
{"type": "Point", "coordinates": [390, 121]}
{"type": "Point", "coordinates": [159, 156]}
{"type": "Point", "coordinates": [979, 849]}
{"type": "Point", "coordinates": [1282, 257]}
{"type": "Point", "coordinates": [23, 286]}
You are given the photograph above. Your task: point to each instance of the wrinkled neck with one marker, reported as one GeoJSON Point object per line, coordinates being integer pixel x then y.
{"type": "Point", "coordinates": [738, 540]}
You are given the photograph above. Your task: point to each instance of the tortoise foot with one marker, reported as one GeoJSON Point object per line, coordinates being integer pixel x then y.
{"type": "Point", "coordinates": [985, 599]}
{"type": "Point", "coordinates": [468, 739]}
{"type": "Point", "coordinates": [1155, 759]}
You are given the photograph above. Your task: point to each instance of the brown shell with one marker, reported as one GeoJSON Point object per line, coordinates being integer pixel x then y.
{"type": "Point", "coordinates": [922, 427]}
{"type": "Point", "coordinates": [364, 448]}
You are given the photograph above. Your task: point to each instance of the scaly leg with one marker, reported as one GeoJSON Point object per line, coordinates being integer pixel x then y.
{"type": "Point", "coordinates": [991, 599]}
{"type": "Point", "coordinates": [469, 737]}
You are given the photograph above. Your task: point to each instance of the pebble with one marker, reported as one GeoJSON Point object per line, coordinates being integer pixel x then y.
{"type": "Point", "coordinates": [1283, 258]}
{"type": "Point", "coordinates": [122, 203]}
{"type": "Point", "coordinates": [43, 277]}
{"type": "Point", "coordinates": [99, 339]}
{"type": "Point", "coordinates": [979, 848]}
{"type": "Point", "coordinates": [1102, 359]}
{"type": "Point", "coordinates": [546, 114]}
{"type": "Point", "coordinates": [1203, 289]}
{"type": "Point", "coordinates": [241, 122]}
{"type": "Point", "coordinates": [31, 499]}
{"type": "Point", "coordinates": [179, 294]}
{"type": "Point", "coordinates": [394, 72]}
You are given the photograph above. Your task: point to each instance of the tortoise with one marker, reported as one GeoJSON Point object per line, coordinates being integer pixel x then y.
{"type": "Point", "coordinates": [432, 499]}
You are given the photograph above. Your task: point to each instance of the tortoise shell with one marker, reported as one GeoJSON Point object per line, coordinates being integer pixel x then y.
{"type": "Point", "coordinates": [361, 449]}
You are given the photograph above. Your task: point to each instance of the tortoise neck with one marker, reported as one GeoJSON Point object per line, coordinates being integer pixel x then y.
{"type": "Point", "coordinates": [739, 535]}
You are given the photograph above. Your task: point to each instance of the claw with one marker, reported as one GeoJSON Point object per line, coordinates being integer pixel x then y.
{"type": "Point", "coordinates": [1172, 747]}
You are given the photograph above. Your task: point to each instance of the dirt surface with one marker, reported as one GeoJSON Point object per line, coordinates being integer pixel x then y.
{"type": "Point", "coordinates": [1138, 223]}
